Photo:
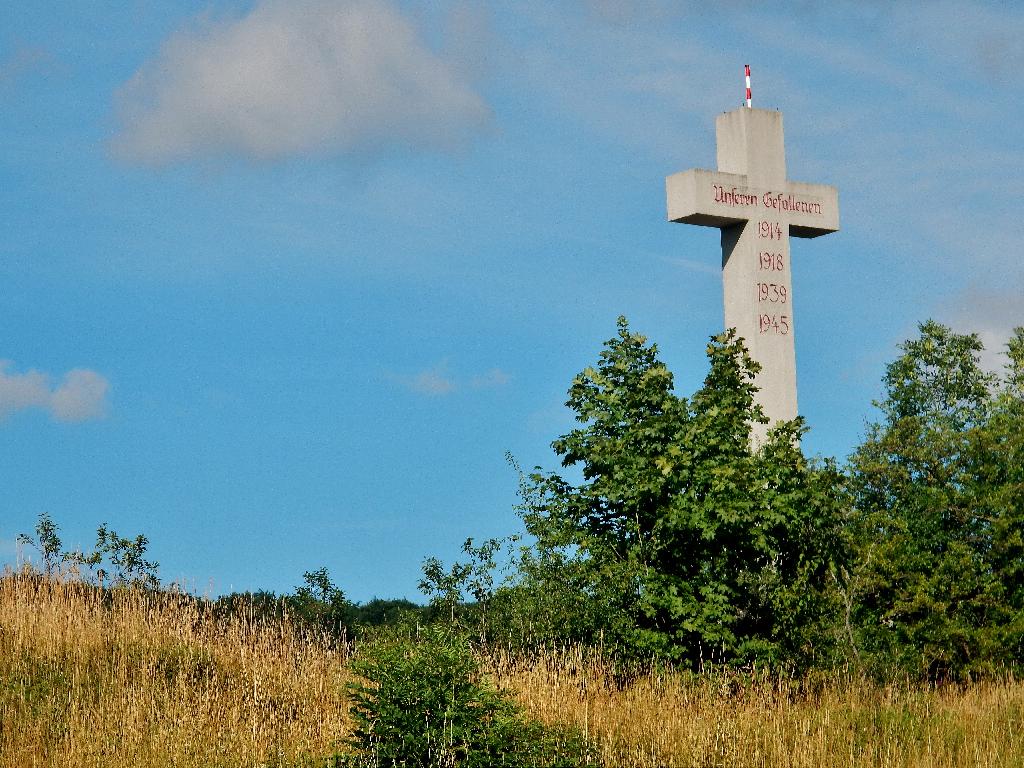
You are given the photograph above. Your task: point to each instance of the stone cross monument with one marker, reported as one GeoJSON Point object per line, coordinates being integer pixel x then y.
{"type": "Point", "coordinates": [757, 209]}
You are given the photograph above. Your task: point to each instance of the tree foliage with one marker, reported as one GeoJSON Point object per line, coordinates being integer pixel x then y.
{"type": "Point", "coordinates": [126, 557]}
{"type": "Point", "coordinates": [319, 604]}
{"type": "Point", "coordinates": [693, 544]}
{"type": "Point", "coordinates": [939, 490]}
{"type": "Point", "coordinates": [47, 543]}
{"type": "Point", "coordinates": [448, 589]}
{"type": "Point", "coordinates": [115, 560]}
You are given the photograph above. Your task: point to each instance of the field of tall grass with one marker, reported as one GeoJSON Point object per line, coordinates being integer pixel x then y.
{"type": "Point", "coordinates": [147, 680]}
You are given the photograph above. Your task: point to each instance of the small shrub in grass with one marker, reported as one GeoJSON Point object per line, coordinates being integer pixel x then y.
{"type": "Point", "coordinates": [425, 704]}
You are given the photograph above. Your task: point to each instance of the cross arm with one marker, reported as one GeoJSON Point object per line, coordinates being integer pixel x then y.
{"type": "Point", "coordinates": [716, 199]}
{"type": "Point", "coordinates": [813, 208]}
{"type": "Point", "coordinates": [709, 198]}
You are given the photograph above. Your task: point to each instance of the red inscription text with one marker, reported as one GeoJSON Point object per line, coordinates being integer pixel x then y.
{"type": "Point", "coordinates": [777, 324]}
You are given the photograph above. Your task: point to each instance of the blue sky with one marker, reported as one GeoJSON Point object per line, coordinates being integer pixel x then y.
{"type": "Point", "coordinates": [283, 281]}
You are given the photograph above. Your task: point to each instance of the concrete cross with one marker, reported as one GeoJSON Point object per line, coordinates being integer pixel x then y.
{"type": "Point", "coordinates": [757, 209]}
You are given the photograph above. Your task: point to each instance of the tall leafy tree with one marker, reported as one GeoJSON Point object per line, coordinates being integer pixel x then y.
{"type": "Point", "coordinates": [690, 543]}
{"type": "Point", "coordinates": [997, 463]}
{"type": "Point", "coordinates": [937, 483]}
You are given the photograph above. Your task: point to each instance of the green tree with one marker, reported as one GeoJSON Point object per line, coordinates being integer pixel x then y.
{"type": "Point", "coordinates": [320, 604]}
{"type": "Point", "coordinates": [689, 542]}
{"type": "Point", "coordinates": [999, 462]}
{"type": "Point", "coordinates": [127, 558]}
{"type": "Point", "coordinates": [47, 543]}
{"type": "Point", "coordinates": [448, 589]}
{"type": "Point", "coordinates": [444, 587]}
{"type": "Point", "coordinates": [937, 485]}
{"type": "Point", "coordinates": [552, 595]}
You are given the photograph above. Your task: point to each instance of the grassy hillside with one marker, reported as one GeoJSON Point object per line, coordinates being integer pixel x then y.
{"type": "Point", "coordinates": [676, 720]}
{"type": "Point", "coordinates": [155, 680]}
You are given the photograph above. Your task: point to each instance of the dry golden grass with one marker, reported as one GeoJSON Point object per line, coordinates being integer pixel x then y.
{"type": "Point", "coordinates": [153, 681]}
{"type": "Point", "coordinates": [670, 719]}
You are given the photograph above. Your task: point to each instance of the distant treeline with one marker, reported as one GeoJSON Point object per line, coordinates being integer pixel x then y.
{"type": "Point", "coordinates": [330, 613]}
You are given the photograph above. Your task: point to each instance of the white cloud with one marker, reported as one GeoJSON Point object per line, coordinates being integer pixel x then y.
{"type": "Point", "coordinates": [295, 77]}
{"type": "Point", "coordinates": [433, 381]}
{"type": "Point", "coordinates": [992, 315]}
{"type": "Point", "coordinates": [436, 380]}
{"type": "Point", "coordinates": [80, 396]}
{"type": "Point", "coordinates": [21, 391]}
{"type": "Point", "coordinates": [493, 378]}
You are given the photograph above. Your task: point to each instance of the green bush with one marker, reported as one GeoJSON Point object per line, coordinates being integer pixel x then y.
{"type": "Point", "coordinates": [425, 703]}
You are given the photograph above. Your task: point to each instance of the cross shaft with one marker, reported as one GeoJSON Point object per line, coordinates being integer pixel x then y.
{"type": "Point", "coordinates": [757, 209]}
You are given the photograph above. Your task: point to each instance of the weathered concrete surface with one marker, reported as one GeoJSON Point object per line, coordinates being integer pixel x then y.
{"type": "Point", "coordinates": [757, 209]}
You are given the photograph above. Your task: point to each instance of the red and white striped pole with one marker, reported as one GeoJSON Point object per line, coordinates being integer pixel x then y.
{"type": "Point", "coordinates": [746, 71]}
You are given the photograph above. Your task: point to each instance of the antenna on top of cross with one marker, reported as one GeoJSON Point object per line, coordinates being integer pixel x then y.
{"type": "Point", "coordinates": [746, 72]}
